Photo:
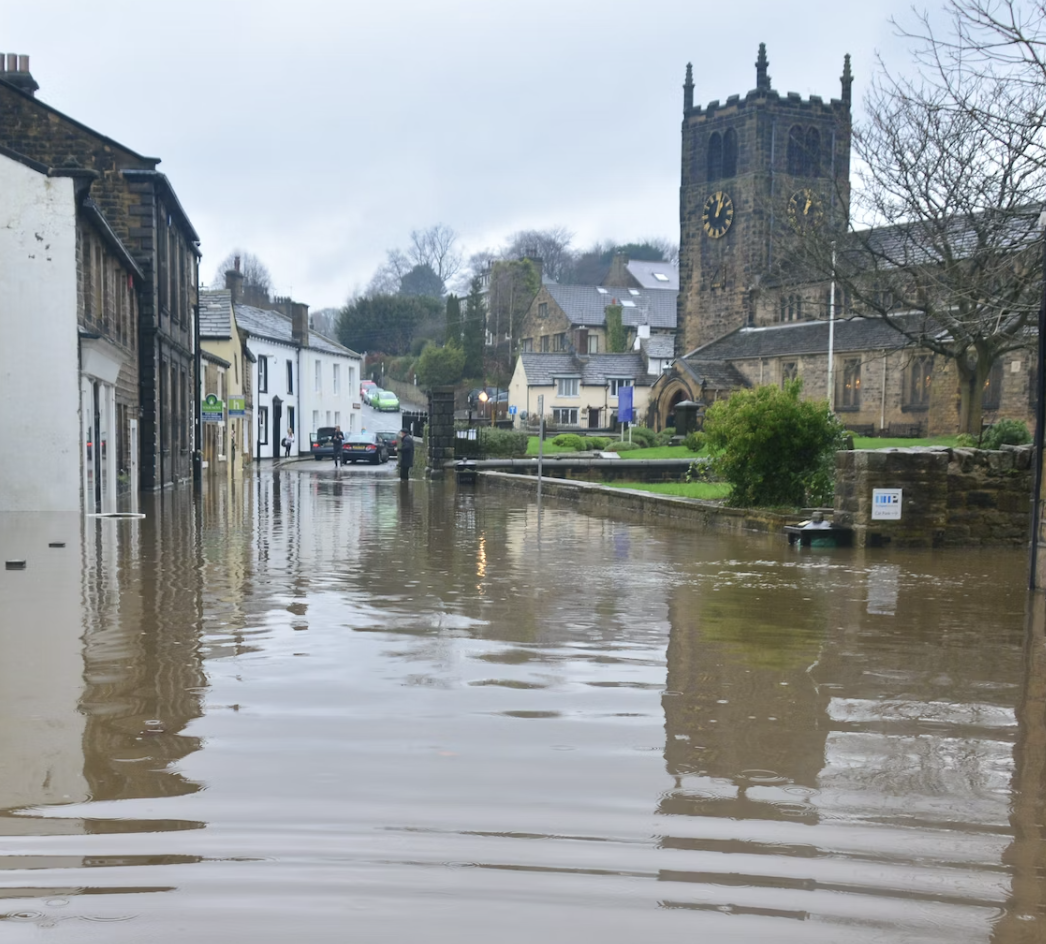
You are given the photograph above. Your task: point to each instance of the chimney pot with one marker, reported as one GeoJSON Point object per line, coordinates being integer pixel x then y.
{"type": "Point", "coordinates": [12, 62]}
{"type": "Point", "coordinates": [236, 263]}
{"type": "Point", "coordinates": [23, 63]}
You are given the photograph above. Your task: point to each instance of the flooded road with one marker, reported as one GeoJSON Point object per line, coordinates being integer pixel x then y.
{"type": "Point", "coordinates": [328, 707]}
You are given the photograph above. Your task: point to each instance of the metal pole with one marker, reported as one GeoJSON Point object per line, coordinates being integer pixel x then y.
{"type": "Point", "coordinates": [831, 335]}
{"type": "Point", "coordinates": [541, 447]}
{"type": "Point", "coordinates": [1040, 422]}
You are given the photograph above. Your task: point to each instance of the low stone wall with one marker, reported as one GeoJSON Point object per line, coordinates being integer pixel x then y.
{"type": "Point", "coordinates": [949, 497]}
{"type": "Point", "coordinates": [646, 507]}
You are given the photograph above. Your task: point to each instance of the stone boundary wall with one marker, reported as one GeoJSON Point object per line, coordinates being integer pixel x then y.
{"type": "Point", "coordinates": [439, 437]}
{"type": "Point", "coordinates": [645, 507]}
{"type": "Point", "coordinates": [950, 497]}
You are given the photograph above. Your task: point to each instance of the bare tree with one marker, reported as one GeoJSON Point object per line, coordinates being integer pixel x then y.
{"type": "Point", "coordinates": [257, 282]}
{"type": "Point", "coordinates": [436, 247]}
{"type": "Point", "coordinates": [949, 245]}
{"type": "Point", "coordinates": [551, 246]}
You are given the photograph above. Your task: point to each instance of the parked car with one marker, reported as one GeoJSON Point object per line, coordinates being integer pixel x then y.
{"type": "Point", "coordinates": [391, 440]}
{"type": "Point", "coordinates": [366, 386]}
{"type": "Point", "coordinates": [366, 446]}
{"type": "Point", "coordinates": [371, 397]}
{"type": "Point", "coordinates": [321, 443]}
{"type": "Point", "coordinates": [387, 402]}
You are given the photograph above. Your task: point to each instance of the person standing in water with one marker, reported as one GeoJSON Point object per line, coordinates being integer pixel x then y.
{"type": "Point", "coordinates": [406, 454]}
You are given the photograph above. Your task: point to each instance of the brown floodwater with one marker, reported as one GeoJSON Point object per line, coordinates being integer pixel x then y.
{"type": "Point", "coordinates": [325, 707]}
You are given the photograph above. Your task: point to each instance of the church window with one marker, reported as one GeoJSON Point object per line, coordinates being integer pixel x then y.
{"type": "Point", "coordinates": [715, 156]}
{"type": "Point", "coordinates": [796, 147]}
{"type": "Point", "coordinates": [917, 382]}
{"type": "Point", "coordinates": [789, 372]}
{"type": "Point", "coordinates": [812, 157]}
{"type": "Point", "coordinates": [850, 386]}
{"type": "Point", "coordinates": [526, 346]}
{"type": "Point", "coordinates": [991, 398]}
{"type": "Point", "coordinates": [730, 153]}
{"type": "Point", "coordinates": [545, 341]}
{"type": "Point", "coordinates": [542, 309]}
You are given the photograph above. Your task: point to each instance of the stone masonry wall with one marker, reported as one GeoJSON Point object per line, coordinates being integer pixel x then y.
{"type": "Point", "coordinates": [950, 497]}
{"type": "Point", "coordinates": [440, 433]}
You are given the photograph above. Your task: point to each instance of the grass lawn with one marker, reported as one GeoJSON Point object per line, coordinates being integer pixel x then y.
{"type": "Point", "coordinates": [657, 452]}
{"type": "Point", "coordinates": [869, 442]}
{"type": "Point", "coordinates": [709, 491]}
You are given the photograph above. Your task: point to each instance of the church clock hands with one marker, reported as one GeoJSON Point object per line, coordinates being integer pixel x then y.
{"type": "Point", "coordinates": [804, 210]}
{"type": "Point", "coordinates": [718, 214]}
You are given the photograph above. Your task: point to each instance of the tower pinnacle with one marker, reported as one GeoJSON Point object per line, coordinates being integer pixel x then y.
{"type": "Point", "coordinates": [847, 80]}
{"type": "Point", "coordinates": [762, 79]}
{"type": "Point", "coordinates": [688, 89]}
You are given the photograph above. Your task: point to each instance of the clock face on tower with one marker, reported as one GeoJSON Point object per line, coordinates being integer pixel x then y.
{"type": "Point", "coordinates": [718, 214]}
{"type": "Point", "coordinates": [804, 210]}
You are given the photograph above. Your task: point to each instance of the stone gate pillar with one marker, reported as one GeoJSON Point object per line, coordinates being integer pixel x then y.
{"type": "Point", "coordinates": [440, 437]}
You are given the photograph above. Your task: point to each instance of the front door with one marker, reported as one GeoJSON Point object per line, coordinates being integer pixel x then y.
{"type": "Point", "coordinates": [593, 417]}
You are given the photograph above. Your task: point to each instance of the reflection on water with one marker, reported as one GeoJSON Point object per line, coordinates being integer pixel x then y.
{"type": "Point", "coordinates": [321, 706]}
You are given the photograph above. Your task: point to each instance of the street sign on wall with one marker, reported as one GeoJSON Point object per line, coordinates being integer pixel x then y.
{"type": "Point", "coordinates": [886, 504]}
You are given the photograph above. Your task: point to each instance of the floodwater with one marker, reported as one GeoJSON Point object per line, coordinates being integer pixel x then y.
{"type": "Point", "coordinates": [328, 707]}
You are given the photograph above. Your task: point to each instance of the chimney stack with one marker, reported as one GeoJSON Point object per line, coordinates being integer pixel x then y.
{"type": "Point", "coordinates": [300, 323]}
{"type": "Point", "coordinates": [15, 69]}
{"type": "Point", "coordinates": [234, 280]}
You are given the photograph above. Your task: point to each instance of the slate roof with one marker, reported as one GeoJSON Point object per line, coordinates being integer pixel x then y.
{"type": "Point", "coordinates": [659, 345]}
{"type": "Point", "coordinates": [646, 274]}
{"type": "Point", "coordinates": [585, 304]}
{"type": "Point", "coordinates": [276, 326]}
{"type": "Point", "coordinates": [810, 337]}
{"type": "Point", "coordinates": [719, 375]}
{"type": "Point", "coordinates": [216, 314]}
{"type": "Point", "coordinates": [594, 370]}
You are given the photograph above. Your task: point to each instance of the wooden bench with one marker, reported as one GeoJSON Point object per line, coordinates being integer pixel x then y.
{"type": "Point", "coordinates": [904, 430]}
{"type": "Point", "coordinates": [861, 429]}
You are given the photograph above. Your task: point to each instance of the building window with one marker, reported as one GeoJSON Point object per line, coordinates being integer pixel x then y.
{"type": "Point", "coordinates": [290, 376]}
{"type": "Point", "coordinates": [263, 423]}
{"type": "Point", "coordinates": [544, 344]}
{"type": "Point", "coordinates": [263, 374]}
{"type": "Point", "coordinates": [789, 372]}
{"type": "Point", "coordinates": [850, 387]}
{"type": "Point", "coordinates": [715, 156]}
{"type": "Point", "coordinates": [796, 146]}
{"type": "Point", "coordinates": [564, 416]}
{"type": "Point", "coordinates": [292, 424]}
{"type": "Point", "coordinates": [567, 386]}
{"type": "Point", "coordinates": [542, 309]}
{"type": "Point", "coordinates": [812, 153]}
{"type": "Point", "coordinates": [559, 342]}
{"type": "Point", "coordinates": [337, 418]}
{"type": "Point", "coordinates": [918, 378]}
{"type": "Point", "coordinates": [318, 377]}
{"type": "Point", "coordinates": [730, 153]}
{"type": "Point", "coordinates": [526, 346]}
{"type": "Point", "coordinates": [791, 308]}
{"type": "Point", "coordinates": [315, 421]}
{"type": "Point", "coordinates": [991, 398]}
{"type": "Point", "coordinates": [616, 383]}
{"type": "Point", "coordinates": [337, 380]}
{"type": "Point", "coordinates": [593, 344]}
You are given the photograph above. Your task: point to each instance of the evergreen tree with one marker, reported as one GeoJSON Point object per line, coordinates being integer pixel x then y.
{"type": "Point", "coordinates": [453, 320]}
{"type": "Point", "coordinates": [472, 330]}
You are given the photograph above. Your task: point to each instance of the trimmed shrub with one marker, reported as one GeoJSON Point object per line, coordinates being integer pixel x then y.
{"type": "Point", "coordinates": [966, 440]}
{"type": "Point", "coordinates": [497, 443]}
{"type": "Point", "coordinates": [1005, 433]}
{"type": "Point", "coordinates": [646, 438]}
{"type": "Point", "coordinates": [568, 441]}
{"type": "Point", "coordinates": [773, 447]}
{"type": "Point", "coordinates": [622, 445]}
{"type": "Point", "coordinates": [596, 443]}
{"type": "Point", "coordinates": [694, 441]}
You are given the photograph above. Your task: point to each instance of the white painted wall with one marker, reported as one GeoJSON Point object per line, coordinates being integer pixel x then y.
{"type": "Point", "coordinates": [277, 355]}
{"type": "Point", "coordinates": [39, 372]}
{"type": "Point", "coordinates": [326, 399]}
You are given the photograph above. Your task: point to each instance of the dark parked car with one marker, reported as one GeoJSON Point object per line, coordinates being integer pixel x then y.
{"type": "Point", "coordinates": [365, 446]}
{"type": "Point", "coordinates": [392, 442]}
{"type": "Point", "coordinates": [321, 443]}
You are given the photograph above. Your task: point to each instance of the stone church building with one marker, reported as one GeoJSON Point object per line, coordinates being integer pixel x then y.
{"type": "Point", "coordinates": [755, 170]}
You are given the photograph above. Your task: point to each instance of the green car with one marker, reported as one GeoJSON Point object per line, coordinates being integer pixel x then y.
{"type": "Point", "coordinates": [387, 401]}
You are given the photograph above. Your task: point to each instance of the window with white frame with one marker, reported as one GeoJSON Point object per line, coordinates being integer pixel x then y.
{"type": "Point", "coordinates": [564, 416]}
{"type": "Point", "coordinates": [616, 383]}
{"type": "Point", "coordinates": [263, 374]}
{"type": "Point", "coordinates": [351, 378]}
{"type": "Point", "coordinates": [318, 379]}
{"type": "Point", "coordinates": [263, 424]}
{"type": "Point", "coordinates": [315, 420]}
{"type": "Point", "coordinates": [337, 418]}
{"type": "Point", "coordinates": [567, 386]}
{"type": "Point", "coordinates": [337, 380]}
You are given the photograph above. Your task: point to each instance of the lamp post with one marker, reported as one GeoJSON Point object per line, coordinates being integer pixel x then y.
{"type": "Point", "coordinates": [1034, 582]}
{"type": "Point", "coordinates": [483, 398]}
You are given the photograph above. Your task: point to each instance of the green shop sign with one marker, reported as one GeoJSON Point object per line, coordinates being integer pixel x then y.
{"type": "Point", "coordinates": [237, 406]}
{"type": "Point", "coordinates": [212, 409]}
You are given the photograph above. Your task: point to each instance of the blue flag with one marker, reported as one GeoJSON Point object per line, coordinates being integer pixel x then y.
{"type": "Point", "coordinates": [624, 405]}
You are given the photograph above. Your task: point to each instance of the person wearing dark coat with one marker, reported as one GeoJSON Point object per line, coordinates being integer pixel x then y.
{"type": "Point", "coordinates": [337, 439]}
{"type": "Point", "coordinates": [406, 453]}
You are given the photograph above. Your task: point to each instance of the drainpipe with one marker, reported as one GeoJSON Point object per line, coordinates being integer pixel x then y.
{"type": "Point", "coordinates": [1040, 422]}
{"type": "Point", "coordinates": [197, 455]}
{"type": "Point", "coordinates": [882, 404]}
{"type": "Point", "coordinates": [831, 336]}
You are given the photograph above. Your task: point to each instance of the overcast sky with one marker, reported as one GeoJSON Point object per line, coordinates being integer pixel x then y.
{"type": "Point", "coordinates": [319, 134]}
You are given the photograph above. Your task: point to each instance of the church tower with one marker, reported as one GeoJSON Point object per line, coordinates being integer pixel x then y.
{"type": "Point", "coordinates": [750, 168]}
